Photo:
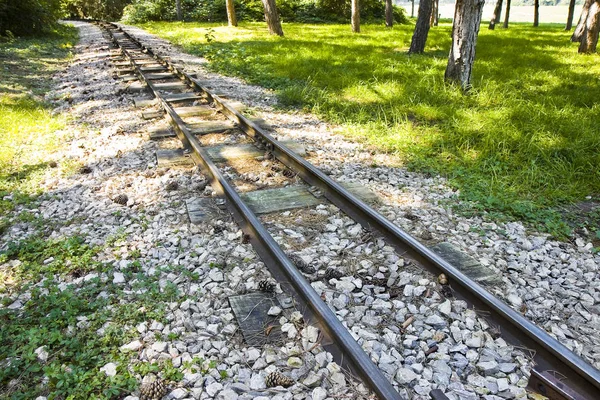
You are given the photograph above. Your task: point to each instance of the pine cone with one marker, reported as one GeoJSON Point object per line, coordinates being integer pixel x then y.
{"type": "Point", "coordinates": [171, 186]}
{"type": "Point", "coordinates": [332, 273]}
{"type": "Point", "coordinates": [121, 199]}
{"type": "Point", "coordinates": [85, 170]}
{"type": "Point", "coordinates": [153, 391]}
{"type": "Point", "coordinates": [278, 379]}
{"type": "Point", "coordinates": [266, 286]}
{"type": "Point", "coordinates": [302, 265]}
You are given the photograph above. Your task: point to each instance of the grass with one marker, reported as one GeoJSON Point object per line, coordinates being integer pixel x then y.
{"type": "Point", "coordinates": [524, 141]}
{"type": "Point", "coordinates": [28, 130]}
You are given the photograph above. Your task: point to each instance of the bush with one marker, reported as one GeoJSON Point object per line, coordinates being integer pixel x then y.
{"type": "Point", "coordinates": [252, 10]}
{"type": "Point", "coordinates": [28, 17]}
{"type": "Point", "coordinates": [96, 9]}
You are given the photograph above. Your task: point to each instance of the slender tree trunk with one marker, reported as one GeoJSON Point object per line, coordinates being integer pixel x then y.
{"type": "Point", "coordinates": [231, 19]}
{"type": "Point", "coordinates": [412, 9]}
{"type": "Point", "coordinates": [419, 38]}
{"type": "Point", "coordinates": [507, 14]}
{"type": "Point", "coordinates": [178, 10]}
{"type": "Point", "coordinates": [497, 15]}
{"type": "Point", "coordinates": [536, 13]}
{"type": "Point", "coordinates": [433, 21]}
{"type": "Point", "coordinates": [355, 16]}
{"type": "Point", "coordinates": [467, 18]}
{"type": "Point", "coordinates": [272, 17]}
{"type": "Point", "coordinates": [576, 37]}
{"type": "Point", "coordinates": [389, 14]}
{"type": "Point", "coordinates": [570, 16]}
{"type": "Point", "coordinates": [589, 38]}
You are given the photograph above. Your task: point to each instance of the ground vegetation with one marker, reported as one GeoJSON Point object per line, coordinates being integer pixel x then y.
{"type": "Point", "coordinates": [523, 142]}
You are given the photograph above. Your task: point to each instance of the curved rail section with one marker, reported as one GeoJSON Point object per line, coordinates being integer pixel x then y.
{"type": "Point", "coordinates": [558, 372]}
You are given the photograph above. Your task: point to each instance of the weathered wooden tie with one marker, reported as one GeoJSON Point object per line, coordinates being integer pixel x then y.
{"type": "Point", "coordinates": [467, 264]}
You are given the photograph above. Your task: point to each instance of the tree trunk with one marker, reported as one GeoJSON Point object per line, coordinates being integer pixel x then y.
{"type": "Point", "coordinates": [272, 17]}
{"type": "Point", "coordinates": [497, 15]}
{"type": "Point", "coordinates": [434, 13]}
{"type": "Point", "coordinates": [231, 19]}
{"type": "Point", "coordinates": [412, 9]}
{"type": "Point", "coordinates": [589, 38]}
{"type": "Point", "coordinates": [536, 13]}
{"type": "Point", "coordinates": [576, 37]}
{"type": "Point", "coordinates": [507, 14]}
{"type": "Point", "coordinates": [389, 14]}
{"type": "Point", "coordinates": [570, 16]}
{"type": "Point", "coordinates": [417, 44]}
{"type": "Point", "coordinates": [355, 16]}
{"type": "Point", "coordinates": [178, 10]}
{"type": "Point", "coordinates": [467, 18]}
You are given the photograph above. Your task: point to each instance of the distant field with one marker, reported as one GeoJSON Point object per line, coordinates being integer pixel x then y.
{"type": "Point", "coordinates": [555, 14]}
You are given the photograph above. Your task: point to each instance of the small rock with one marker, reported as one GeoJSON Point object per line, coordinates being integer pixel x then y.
{"type": "Point", "coordinates": [109, 369]}
{"type": "Point", "coordinates": [405, 376]}
{"type": "Point", "coordinates": [319, 394]}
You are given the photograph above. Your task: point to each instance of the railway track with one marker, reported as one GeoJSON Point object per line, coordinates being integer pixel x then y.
{"type": "Point", "coordinates": [557, 374]}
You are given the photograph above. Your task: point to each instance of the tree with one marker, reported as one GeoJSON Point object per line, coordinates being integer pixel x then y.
{"type": "Point", "coordinates": [497, 15]}
{"type": "Point", "coordinates": [272, 17]}
{"type": "Point", "coordinates": [355, 16]}
{"type": "Point", "coordinates": [536, 13]}
{"type": "Point", "coordinates": [433, 21]}
{"type": "Point", "coordinates": [467, 18]}
{"type": "Point", "coordinates": [419, 38]}
{"type": "Point", "coordinates": [389, 14]}
{"type": "Point", "coordinates": [412, 9]}
{"type": "Point", "coordinates": [178, 10]}
{"type": "Point", "coordinates": [576, 36]}
{"type": "Point", "coordinates": [570, 16]}
{"type": "Point", "coordinates": [591, 29]}
{"type": "Point", "coordinates": [231, 19]}
{"type": "Point", "coordinates": [507, 14]}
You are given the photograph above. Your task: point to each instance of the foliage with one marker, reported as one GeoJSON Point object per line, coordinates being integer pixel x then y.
{"type": "Point", "coordinates": [28, 17]}
{"type": "Point", "coordinates": [252, 10]}
{"type": "Point", "coordinates": [96, 9]}
{"type": "Point", "coordinates": [28, 130]}
{"type": "Point", "coordinates": [524, 141]}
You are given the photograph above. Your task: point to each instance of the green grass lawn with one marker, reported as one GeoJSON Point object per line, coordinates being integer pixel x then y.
{"type": "Point", "coordinates": [27, 127]}
{"type": "Point", "coordinates": [526, 139]}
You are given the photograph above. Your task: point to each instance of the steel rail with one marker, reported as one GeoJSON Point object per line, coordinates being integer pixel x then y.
{"type": "Point", "coordinates": [271, 254]}
{"type": "Point", "coordinates": [558, 373]}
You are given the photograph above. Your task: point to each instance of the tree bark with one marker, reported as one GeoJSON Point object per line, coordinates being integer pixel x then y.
{"type": "Point", "coordinates": [231, 19]}
{"type": "Point", "coordinates": [419, 38]}
{"type": "Point", "coordinates": [389, 14]}
{"type": "Point", "coordinates": [355, 16]}
{"type": "Point", "coordinates": [178, 10]}
{"type": "Point", "coordinates": [434, 13]}
{"type": "Point", "coordinates": [576, 36]}
{"type": "Point", "coordinates": [536, 13]}
{"type": "Point", "coordinates": [467, 18]}
{"type": "Point", "coordinates": [589, 37]}
{"type": "Point", "coordinates": [507, 14]}
{"type": "Point", "coordinates": [412, 9]}
{"type": "Point", "coordinates": [570, 16]}
{"type": "Point", "coordinates": [272, 17]}
{"type": "Point", "coordinates": [497, 15]}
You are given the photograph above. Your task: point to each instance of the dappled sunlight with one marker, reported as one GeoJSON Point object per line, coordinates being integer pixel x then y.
{"type": "Point", "coordinates": [529, 85]}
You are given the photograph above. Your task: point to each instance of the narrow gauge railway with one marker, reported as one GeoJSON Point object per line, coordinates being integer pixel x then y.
{"type": "Point", "coordinates": [557, 372]}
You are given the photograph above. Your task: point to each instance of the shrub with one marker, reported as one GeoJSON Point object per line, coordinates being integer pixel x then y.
{"type": "Point", "coordinates": [28, 17]}
{"type": "Point", "coordinates": [252, 10]}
